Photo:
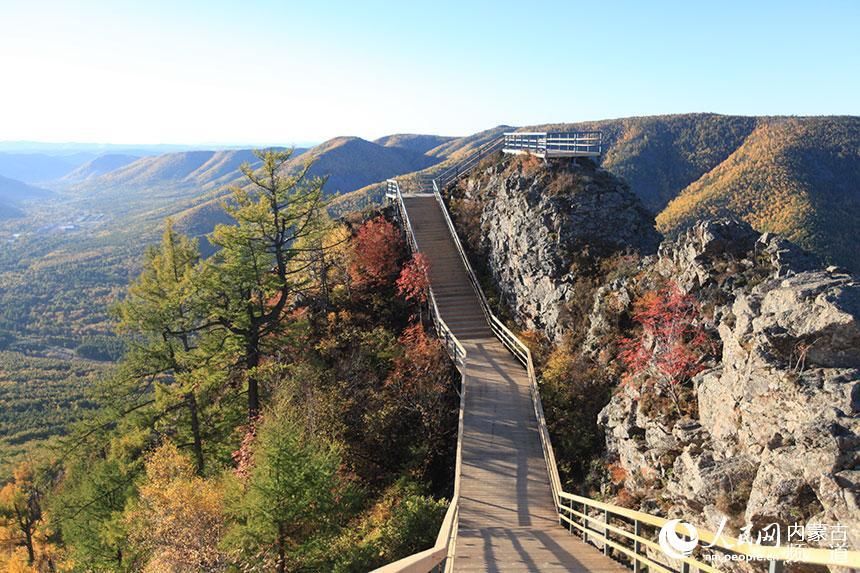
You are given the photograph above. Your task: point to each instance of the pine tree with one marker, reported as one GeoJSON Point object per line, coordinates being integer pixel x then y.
{"type": "Point", "coordinates": [245, 287]}
{"type": "Point", "coordinates": [159, 317]}
{"type": "Point", "coordinates": [288, 494]}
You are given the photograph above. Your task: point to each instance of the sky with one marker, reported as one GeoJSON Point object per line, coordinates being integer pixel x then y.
{"type": "Point", "coordinates": [267, 72]}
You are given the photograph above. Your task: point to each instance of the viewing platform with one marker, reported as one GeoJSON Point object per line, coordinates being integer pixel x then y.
{"type": "Point", "coordinates": [554, 144]}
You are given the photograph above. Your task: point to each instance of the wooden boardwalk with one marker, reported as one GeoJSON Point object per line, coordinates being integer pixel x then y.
{"type": "Point", "coordinates": [507, 522]}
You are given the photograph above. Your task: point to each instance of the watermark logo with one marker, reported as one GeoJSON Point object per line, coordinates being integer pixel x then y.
{"type": "Point", "coordinates": [673, 544]}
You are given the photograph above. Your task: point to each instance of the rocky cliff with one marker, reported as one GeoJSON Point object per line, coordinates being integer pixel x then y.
{"type": "Point", "coordinates": [541, 227]}
{"type": "Point", "coordinates": [776, 436]}
{"type": "Point", "coordinates": [768, 431]}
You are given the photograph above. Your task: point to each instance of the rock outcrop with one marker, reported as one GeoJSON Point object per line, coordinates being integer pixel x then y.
{"type": "Point", "coordinates": [777, 439]}
{"type": "Point", "coordinates": [540, 225]}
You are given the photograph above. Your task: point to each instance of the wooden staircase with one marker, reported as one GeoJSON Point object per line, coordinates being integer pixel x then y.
{"type": "Point", "coordinates": [507, 520]}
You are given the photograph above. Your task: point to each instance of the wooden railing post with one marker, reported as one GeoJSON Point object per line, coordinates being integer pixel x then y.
{"type": "Point", "coordinates": [584, 522]}
{"type": "Point", "coordinates": [605, 532]}
{"type": "Point", "coordinates": [637, 531]}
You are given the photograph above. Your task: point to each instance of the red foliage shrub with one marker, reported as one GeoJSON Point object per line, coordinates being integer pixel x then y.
{"type": "Point", "coordinates": [617, 473]}
{"type": "Point", "coordinates": [376, 250]}
{"type": "Point", "coordinates": [419, 387]}
{"type": "Point", "coordinates": [673, 342]}
{"type": "Point", "coordinates": [414, 279]}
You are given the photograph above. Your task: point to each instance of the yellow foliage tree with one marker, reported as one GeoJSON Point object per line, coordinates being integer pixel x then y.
{"type": "Point", "coordinates": [24, 543]}
{"type": "Point", "coordinates": [177, 521]}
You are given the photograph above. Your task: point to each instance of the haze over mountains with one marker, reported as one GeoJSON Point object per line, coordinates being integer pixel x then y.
{"type": "Point", "coordinates": [96, 167]}
{"type": "Point", "coordinates": [13, 193]}
{"type": "Point", "coordinates": [795, 176]}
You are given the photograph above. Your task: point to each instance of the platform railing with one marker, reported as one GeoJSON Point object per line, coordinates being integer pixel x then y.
{"type": "Point", "coordinates": [461, 168]}
{"type": "Point", "coordinates": [554, 143]}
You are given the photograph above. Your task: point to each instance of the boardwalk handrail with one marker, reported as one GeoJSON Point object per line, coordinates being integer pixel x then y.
{"type": "Point", "coordinates": [615, 535]}
{"type": "Point", "coordinates": [440, 555]}
{"type": "Point", "coordinates": [554, 143]}
{"type": "Point", "coordinates": [462, 167]}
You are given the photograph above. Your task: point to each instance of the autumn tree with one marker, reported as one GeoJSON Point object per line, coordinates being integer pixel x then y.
{"type": "Point", "coordinates": [418, 385]}
{"type": "Point", "coordinates": [244, 288]}
{"type": "Point", "coordinates": [413, 283]}
{"type": "Point", "coordinates": [673, 342]}
{"type": "Point", "coordinates": [377, 249]}
{"type": "Point", "coordinates": [325, 264]}
{"type": "Point", "coordinates": [177, 521]}
{"type": "Point", "coordinates": [22, 513]}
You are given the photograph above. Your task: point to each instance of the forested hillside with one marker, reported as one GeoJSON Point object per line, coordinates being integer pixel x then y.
{"type": "Point", "coordinates": [96, 167]}
{"type": "Point", "coordinates": [13, 193]}
{"type": "Point", "coordinates": [279, 407]}
{"type": "Point", "coordinates": [448, 153]}
{"type": "Point", "coordinates": [68, 255]}
{"type": "Point", "coordinates": [796, 177]}
{"type": "Point", "coordinates": [660, 155]}
{"type": "Point", "coordinates": [65, 261]}
{"type": "Point", "coordinates": [421, 143]}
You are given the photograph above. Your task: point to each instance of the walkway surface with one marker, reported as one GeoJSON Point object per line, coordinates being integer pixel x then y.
{"type": "Point", "coordinates": [507, 522]}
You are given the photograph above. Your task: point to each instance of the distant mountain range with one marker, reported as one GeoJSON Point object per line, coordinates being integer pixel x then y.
{"type": "Point", "coordinates": [190, 186]}
{"type": "Point", "coordinates": [101, 165]}
{"type": "Point", "coordinates": [40, 167]}
{"type": "Point", "coordinates": [798, 176]}
{"type": "Point", "coordinates": [420, 143]}
{"type": "Point", "coordinates": [446, 153]}
{"type": "Point", "coordinates": [199, 169]}
{"type": "Point", "coordinates": [794, 175]}
{"type": "Point", "coordinates": [13, 193]}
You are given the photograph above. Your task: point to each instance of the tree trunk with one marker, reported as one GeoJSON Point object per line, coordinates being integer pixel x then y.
{"type": "Point", "coordinates": [252, 360]}
{"type": "Point", "coordinates": [191, 401]}
{"type": "Point", "coordinates": [28, 541]}
{"type": "Point", "coordinates": [282, 550]}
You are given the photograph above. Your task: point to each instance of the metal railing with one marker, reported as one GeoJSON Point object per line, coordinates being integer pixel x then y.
{"type": "Point", "coordinates": [463, 167]}
{"type": "Point", "coordinates": [626, 533]}
{"type": "Point", "coordinates": [554, 143]}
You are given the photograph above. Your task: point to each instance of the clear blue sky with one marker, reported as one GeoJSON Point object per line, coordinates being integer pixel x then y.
{"type": "Point", "coordinates": [278, 72]}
